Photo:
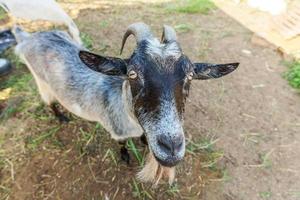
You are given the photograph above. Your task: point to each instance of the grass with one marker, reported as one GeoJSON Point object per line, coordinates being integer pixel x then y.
{"type": "Point", "coordinates": [212, 160]}
{"type": "Point", "coordinates": [33, 142]}
{"type": "Point", "coordinates": [20, 85]}
{"type": "Point", "coordinates": [13, 106]}
{"type": "Point", "coordinates": [204, 150]}
{"type": "Point", "coordinates": [89, 139]}
{"type": "Point", "coordinates": [225, 176]}
{"type": "Point", "coordinates": [21, 93]}
{"type": "Point", "coordinates": [202, 144]}
{"type": "Point", "coordinates": [18, 82]}
{"type": "Point", "coordinates": [137, 154]}
{"type": "Point", "coordinates": [139, 191]}
{"type": "Point", "coordinates": [87, 40]}
{"type": "Point", "coordinates": [265, 160]}
{"type": "Point", "coordinates": [173, 190]}
{"type": "Point", "coordinates": [252, 138]}
{"type": "Point", "coordinates": [19, 79]}
{"type": "Point", "coordinates": [40, 113]}
{"type": "Point", "coordinates": [293, 74]}
{"type": "Point", "coordinates": [193, 6]}
{"type": "Point", "coordinates": [294, 193]}
{"type": "Point", "coordinates": [103, 24]}
{"type": "Point", "coordinates": [15, 60]}
{"type": "Point", "coordinates": [265, 195]}
{"type": "Point", "coordinates": [5, 193]}
{"type": "Point", "coordinates": [183, 28]}
{"type": "Point", "coordinates": [111, 154]}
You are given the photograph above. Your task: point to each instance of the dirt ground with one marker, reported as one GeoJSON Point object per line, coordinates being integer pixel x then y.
{"type": "Point", "coordinates": [247, 123]}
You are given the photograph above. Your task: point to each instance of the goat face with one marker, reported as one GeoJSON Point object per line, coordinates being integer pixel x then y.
{"type": "Point", "coordinates": [159, 75]}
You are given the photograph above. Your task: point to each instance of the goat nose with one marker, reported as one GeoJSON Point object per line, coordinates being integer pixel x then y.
{"type": "Point", "coordinates": [170, 144]}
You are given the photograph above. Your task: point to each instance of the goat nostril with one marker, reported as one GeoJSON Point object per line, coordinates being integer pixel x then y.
{"type": "Point", "coordinates": [165, 143]}
{"type": "Point", "coordinates": [178, 142]}
{"type": "Point", "coordinates": [170, 145]}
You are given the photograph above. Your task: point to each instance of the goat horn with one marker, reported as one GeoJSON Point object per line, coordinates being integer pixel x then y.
{"type": "Point", "coordinates": [140, 30]}
{"type": "Point", "coordinates": [168, 35]}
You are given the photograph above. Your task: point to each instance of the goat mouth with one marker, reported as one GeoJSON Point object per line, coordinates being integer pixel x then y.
{"type": "Point", "coordinates": [169, 163]}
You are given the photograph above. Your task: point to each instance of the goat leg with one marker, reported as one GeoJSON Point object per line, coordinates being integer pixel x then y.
{"type": "Point", "coordinates": [144, 139]}
{"type": "Point", "coordinates": [61, 117]}
{"type": "Point", "coordinates": [124, 152]}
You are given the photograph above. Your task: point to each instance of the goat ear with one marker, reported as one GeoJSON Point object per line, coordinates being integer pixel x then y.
{"type": "Point", "coordinates": [207, 70]}
{"type": "Point", "coordinates": [105, 65]}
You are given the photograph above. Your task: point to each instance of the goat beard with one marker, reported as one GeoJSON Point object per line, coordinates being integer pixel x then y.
{"type": "Point", "coordinates": [154, 172]}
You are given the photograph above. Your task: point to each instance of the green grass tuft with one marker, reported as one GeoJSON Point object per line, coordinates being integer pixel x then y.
{"type": "Point", "coordinates": [103, 24]}
{"type": "Point", "coordinates": [20, 77]}
{"type": "Point", "coordinates": [18, 82]}
{"type": "Point", "coordinates": [205, 147]}
{"type": "Point", "coordinates": [33, 142]}
{"type": "Point", "coordinates": [87, 40]}
{"type": "Point", "coordinates": [139, 191]}
{"type": "Point", "coordinates": [22, 90]}
{"type": "Point", "coordinates": [293, 75]}
{"type": "Point", "coordinates": [266, 160]}
{"type": "Point", "coordinates": [88, 140]}
{"type": "Point", "coordinates": [193, 6]}
{"type": "Point", "coordinates": [111, 154]}
{"type": "Point", "coordinates": [200, 145]}
{"type": "Point", "coordinates": [132, 147]}
{"type": "Point", "coordinates": [13, 106]}
{"type": "Point", "coordinates": [183, 28]}
{"type": "Point", "coordinates": [173, 190]}
{"type": "Point", "coordinates": [265, 195]}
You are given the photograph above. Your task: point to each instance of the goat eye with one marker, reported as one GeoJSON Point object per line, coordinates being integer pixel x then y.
{"type": "Point", "coordinates": [132, 74]}
{"type": "Point", "coordinates": [190, 76]}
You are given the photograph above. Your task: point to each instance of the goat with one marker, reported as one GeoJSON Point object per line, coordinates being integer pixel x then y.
{"type": "Point", "coordinates": [144, 94]}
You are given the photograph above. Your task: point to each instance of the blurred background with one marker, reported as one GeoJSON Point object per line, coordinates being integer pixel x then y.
{"type": "Point", "coordinates": [242, 131]}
